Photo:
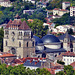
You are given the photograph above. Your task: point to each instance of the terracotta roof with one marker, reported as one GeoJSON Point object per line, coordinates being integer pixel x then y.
{"type": "Point", "coordinates": [30, 20]}
{"type": "Point", "coordinates": [56, 9]}
{"type": "Point", "coordinates": [69, 54]}
{"type": "Point", "coordinates": [17, 23]}
{"type": "Point", "coordinates": [52, 71]}
{"type": "Point", "coordinates": [14, 23]}
{"type": "Point", "coordinates": [73, 64]}
{"type": "Point", "coordinates": [56, 64]}
{"type": "Point", "coordinates": [49, 23]}
{"type": "Point", "coordinates": [21, 60]}
{"type": "Point", "coordinates": [54, 33]}
{"type": "Point", "coordinates": [7, 55]}
{"type": "Point", "coordinates": [24, 26]}
{"type": "Point", "coordinates": [62, 10]}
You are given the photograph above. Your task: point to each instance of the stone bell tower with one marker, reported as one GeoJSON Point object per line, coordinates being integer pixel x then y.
{"type": "Point", "coordinates": [18, 38]}
{"type": "Point", "coordinates": [66, 42]}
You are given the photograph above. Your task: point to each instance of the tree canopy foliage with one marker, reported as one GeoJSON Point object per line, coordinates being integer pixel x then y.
{"type": "Point", "coordinates": [37, 28]}
{"type": "Point", "coordinates": [20, 70]}
{"type": "Point", "coordinates": [58, 4]}
{"type": "Point", "coordinates": [68, 70]}
{"type": "Point", "coordinates": [65, 19]}
{"type": "Point", "coordinates": [1, 39]}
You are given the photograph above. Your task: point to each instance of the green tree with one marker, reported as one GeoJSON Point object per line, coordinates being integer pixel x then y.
{"type": "Point", "coordinates": [70, 31]}
{"type": "Point", "coordinates": [68, 70]}
{"type": "Point", "coordinates": [1, 39]}
{"type": "Point", "coordinates": [37, 28]}
{"type": "Point", "coordinates": [60, 62]}
{"type": "Point", "coordinates": [60, 73]}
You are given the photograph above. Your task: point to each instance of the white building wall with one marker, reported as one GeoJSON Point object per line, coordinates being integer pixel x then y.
{"type": "Point", "coordinates": [72, 11]}
{"type": "Point", "coordinates": [65, 5]}
{"type": "Point", "coordinates": [68, 60]}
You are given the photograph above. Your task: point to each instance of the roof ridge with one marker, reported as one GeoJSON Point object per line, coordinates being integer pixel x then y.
{"type": "Point", "coordinates": [24, 26]}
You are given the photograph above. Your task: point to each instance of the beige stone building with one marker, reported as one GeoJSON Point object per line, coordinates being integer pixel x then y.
{"type": "Point", "coordinates": [18, 38]}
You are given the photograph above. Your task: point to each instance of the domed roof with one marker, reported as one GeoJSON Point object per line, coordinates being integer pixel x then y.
{"type": "Point", "coordinates": [50, 39]}
{"type": "Point", "coordinates": [37, 40]}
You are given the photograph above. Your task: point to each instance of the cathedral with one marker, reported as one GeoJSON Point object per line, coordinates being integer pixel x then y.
{"type": "Point", "coordinates": [19, 40]}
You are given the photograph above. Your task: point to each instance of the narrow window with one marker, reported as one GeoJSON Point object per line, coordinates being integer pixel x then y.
{"type": "Point", "coordinates": [27, 44]}
{"type": "Point", "coordinates": [33, 44]}
{"type": "Point", "coordinates": [21, 33]}
{"type": "Point", "coordinates": [6, 43]}
{"type": "Point", "coordinates": [19, 44]}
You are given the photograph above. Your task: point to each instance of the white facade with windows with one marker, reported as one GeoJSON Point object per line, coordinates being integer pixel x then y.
{"type": "Point", "coordinates": [72, 11]}
{"type": "Point", "coordinates": [68, 58]}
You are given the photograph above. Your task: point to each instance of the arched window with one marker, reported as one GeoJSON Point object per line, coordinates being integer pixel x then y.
{"type": "Point", "coordinates": [13, 50]}
{"type": "Point", "coordinates": [21, 33]}
{"type": "Point", "coordinates": [19, 44]}
{"type": "Point", "coordinates": [33, 44]}
{"type": "Point", "coordinates": [27, 44]}
{"type": "Point", "coordinates": [6, 43]}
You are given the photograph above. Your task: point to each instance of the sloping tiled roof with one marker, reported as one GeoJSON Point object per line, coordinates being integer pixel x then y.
{"type": "Point", "coordinates": [69, 54]}
{"type": "Point", "coordinates": [7, 55]}
{"type": "Point", "coordinates": [17, 23]}
{"type": "Point", "coordinates": [56, 9]}
{"type": "Point", "coordinates": [24, 26]}
{"type": "Point", "coordinates": [73, 64]}
{"type": "Point", "coordinates": [52, 71]}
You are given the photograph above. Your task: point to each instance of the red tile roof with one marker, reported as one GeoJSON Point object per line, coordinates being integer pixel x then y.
{"type": "Point", "coordinates": [30, 20]}
{"type": "Point", "coordinates": [49, 23]}
{"type": "Point", "coordinates": [54, 33]}
{"type": "Point", "coordinates": [62, 10]}
{"type": "Point", "coordinates": [56, 65]}
{"type": "Point", "coordinates": [56, 9]}
{"type": "Point", "coordinates": [24, 26]}
{"type": "Point", "coordinates": [17, 23]}
{"type": "Point", "coordinates": [7, 55]}
{"type": "Point", "coordinates": [69, 54]}
{"type": "Point", "coordinates": [52, 71]}
{"type": "Point", "coordinates": [72, 64]}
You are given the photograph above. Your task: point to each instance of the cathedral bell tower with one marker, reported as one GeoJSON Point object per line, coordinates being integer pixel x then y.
{"type": "Point", "coordinates": [66, 42]}
{"type": "Point", "coordinates": [18, 38]}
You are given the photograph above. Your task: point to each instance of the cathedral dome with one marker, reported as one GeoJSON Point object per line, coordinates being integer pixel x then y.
{"type": "Point", "coordinates": [50, 39]}
{"type": "Point", "coordinates": [37, 40]}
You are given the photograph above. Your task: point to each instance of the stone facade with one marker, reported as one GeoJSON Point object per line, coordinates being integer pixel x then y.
{"type": "Point", "coordinates": [18, 39]}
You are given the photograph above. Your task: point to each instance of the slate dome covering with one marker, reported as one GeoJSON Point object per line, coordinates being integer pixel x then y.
{"type": "Point", "coordinates": [50, 39]}
{"type": "Point", "coordinates": [37, 40]}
